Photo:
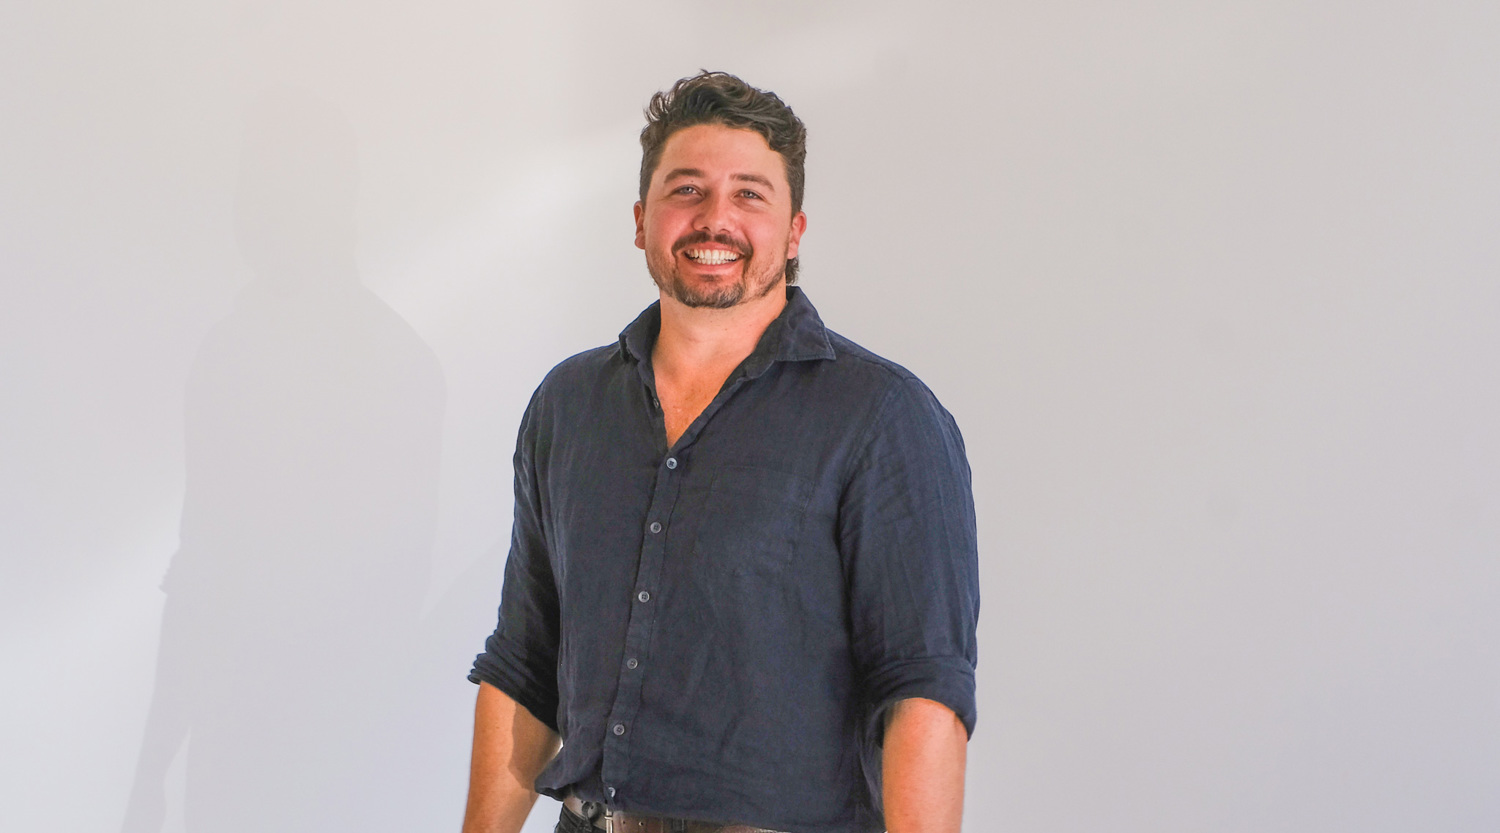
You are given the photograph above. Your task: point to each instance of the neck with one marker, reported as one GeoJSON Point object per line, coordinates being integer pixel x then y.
{"type": "Point", "coordinates": [696, 340]}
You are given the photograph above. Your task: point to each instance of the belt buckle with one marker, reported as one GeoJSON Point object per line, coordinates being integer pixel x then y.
{"type": "Point", "coordinates": [592, 811]}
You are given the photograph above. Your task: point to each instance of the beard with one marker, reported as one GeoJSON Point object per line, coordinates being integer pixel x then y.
{"type": "Point", "coordinates": [756, 278]}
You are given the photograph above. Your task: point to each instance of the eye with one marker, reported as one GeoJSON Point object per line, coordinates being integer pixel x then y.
{"type": "Point", "coordinates": [748, 194]}
{"type": "Point", "coordinates": [685, 189]}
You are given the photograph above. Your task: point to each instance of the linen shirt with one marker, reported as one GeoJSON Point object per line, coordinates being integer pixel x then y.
{"type": "Point", "coordinates": [715, 629]}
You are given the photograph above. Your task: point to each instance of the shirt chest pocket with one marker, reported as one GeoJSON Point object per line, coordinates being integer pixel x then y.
{"type": "Point", "coordinates": [752, 519]}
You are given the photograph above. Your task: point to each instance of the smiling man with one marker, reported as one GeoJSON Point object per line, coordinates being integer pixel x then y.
{"type": "Point", "coordinates": [742, 588]}
{"type": "Point", "coordinates": [718, 189]}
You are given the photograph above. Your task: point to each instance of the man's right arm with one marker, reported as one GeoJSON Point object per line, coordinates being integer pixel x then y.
{"type": "Point", "coordinates": [511, 747]}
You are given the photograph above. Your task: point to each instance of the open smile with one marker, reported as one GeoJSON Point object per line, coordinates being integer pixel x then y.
{"type": "Point", "coordinates": [710, 257]}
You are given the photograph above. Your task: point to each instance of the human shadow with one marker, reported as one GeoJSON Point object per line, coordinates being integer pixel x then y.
{"type": "Point", "coordinates": [290, 638]}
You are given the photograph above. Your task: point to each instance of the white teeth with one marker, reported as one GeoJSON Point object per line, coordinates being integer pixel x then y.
{"type": "Point", "coordinates": [711, 257]}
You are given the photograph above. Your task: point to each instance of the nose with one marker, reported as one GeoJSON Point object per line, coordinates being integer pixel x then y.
{"type": "Point", "coordinates": [714, 213]}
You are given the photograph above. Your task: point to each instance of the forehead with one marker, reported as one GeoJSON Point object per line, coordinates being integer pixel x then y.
{"type": "Point", "coordinates": [717, 150]}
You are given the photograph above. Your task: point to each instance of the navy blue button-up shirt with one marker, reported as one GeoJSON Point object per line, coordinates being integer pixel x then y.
{"type": "Point", "coordinates": [716, 628]}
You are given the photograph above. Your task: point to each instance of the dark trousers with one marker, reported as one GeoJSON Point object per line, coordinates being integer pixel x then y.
{"type": "Point", "coordinates": [571, 822]}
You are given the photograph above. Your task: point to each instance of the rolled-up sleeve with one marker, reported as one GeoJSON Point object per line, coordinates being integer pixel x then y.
{"type": "Point", "coordinates": [909, 544]}
{"type": "Point", "coordinates": [520, 657]}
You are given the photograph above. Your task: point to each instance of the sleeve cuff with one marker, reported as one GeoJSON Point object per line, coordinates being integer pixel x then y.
{"type": "Point", "coordinates": [946, 680]}
{"type": "Point", "coordinates": [501, 670]}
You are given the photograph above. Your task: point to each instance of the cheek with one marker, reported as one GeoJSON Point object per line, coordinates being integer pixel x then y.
{"type": "Point", "coordinates": [661, 230]}
{"type": "Point", "coordinates": [652, 234]}
{"type": "Point", "coordinates": [774, 238]}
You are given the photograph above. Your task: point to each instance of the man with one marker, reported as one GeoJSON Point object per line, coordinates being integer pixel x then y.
{"type": "Point", "coordinates": [743, 583]}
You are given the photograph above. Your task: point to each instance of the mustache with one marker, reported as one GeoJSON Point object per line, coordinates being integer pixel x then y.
{"type": "Point", "coordinates": [740, 247]}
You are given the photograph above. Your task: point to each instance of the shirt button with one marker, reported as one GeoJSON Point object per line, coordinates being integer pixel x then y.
{"type": "Point", "coordinates": [643, 596]}
{"type": "Point", "coordinates": [632, 662]}
{"type": "Point", "coordinates": [671, 462]}
{"type": "Point", "coordinates": [619, 730]}
{"type": "Point", "coordinates": [655, 527]}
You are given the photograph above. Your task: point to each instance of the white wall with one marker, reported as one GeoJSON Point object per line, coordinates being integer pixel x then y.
{"type": "Point", "coordinates": [1211, 289]}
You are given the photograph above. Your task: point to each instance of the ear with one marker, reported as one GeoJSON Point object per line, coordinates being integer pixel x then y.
{"type": "Point", "coordinates": [794, 239]}
{"type": "Point", "coordinates": [640, 226]}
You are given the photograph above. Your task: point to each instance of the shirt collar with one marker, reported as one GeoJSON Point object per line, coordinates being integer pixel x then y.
{"type": "Point", "coordinates": [796, 335]}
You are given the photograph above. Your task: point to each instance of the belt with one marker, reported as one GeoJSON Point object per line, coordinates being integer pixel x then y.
{"type": "Point", "coordinates": [615, 821]}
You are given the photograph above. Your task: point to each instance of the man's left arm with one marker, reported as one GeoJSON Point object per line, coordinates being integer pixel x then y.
{"type": "Point", "coordinates": [922, 767]}
{"type": "Point", "coordinates": [907, 535]}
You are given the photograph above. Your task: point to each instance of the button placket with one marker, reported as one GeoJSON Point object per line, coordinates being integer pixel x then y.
{"type": "Point", "coordinates": [617, 761]}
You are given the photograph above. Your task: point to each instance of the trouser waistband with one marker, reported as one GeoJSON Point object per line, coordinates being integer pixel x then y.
{"type": "Point", "coordinates": [600, 818]}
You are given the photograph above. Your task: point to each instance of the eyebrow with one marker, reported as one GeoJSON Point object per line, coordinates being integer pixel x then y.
{"type": "Point", "coordinates": [679, 173]}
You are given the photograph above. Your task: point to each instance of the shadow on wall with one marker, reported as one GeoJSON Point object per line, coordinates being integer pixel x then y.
{"type": "Point", "coordinates": [291, 647]}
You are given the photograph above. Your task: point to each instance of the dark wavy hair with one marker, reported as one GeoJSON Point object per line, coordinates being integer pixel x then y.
{"type": "Point", "coordinates": [721, 98]}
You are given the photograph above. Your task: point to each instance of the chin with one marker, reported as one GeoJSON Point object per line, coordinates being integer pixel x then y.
{"type": "Point", "coordinates": [721, 291]}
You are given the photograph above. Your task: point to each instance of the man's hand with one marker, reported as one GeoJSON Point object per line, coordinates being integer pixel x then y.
{"type": "Point", "coordinates": [511, 747]}
{"type": "Point", "coordinates": [923, 768]}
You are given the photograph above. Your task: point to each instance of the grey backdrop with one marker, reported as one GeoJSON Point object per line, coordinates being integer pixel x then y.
{"type": "Point", "coordinates": [1211, 289]}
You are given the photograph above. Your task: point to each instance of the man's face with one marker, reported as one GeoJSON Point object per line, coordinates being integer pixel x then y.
{"type": "Point", "coordinates": [717, 223]}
